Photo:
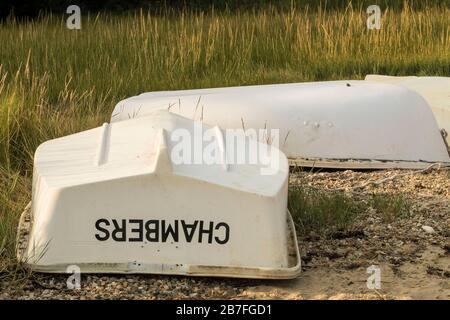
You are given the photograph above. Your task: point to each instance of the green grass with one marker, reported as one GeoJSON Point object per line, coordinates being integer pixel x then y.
{"type": "Point", "coordinates": [324, 212]}
{"type": "Point", "coordinates": [321, 211]}
{"type": "Point", "coordinates": [55, 81]}
{"type": "Point", "coordinates": [14, 196]}
{"type": "Point", "coordinates": [390, 206]}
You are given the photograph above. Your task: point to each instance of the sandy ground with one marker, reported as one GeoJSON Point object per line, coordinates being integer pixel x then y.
{"type": "Point", "coordinates": [414, 263]}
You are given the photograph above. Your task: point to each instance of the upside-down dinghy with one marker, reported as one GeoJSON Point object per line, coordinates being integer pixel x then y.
{"type": "Point", "coordinates": [338, 124]}
{"type": "Point", "coordinates": [435, 90]}
{"type": "Point", "coordinates": [116, 199]}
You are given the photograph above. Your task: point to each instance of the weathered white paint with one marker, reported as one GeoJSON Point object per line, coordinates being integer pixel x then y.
{"type": "Point", "coordinates": [435, 90]}
{"type": "Point", "coordinates": [136, 179]}
{"type": "Point", "coordinates": [378, 125]}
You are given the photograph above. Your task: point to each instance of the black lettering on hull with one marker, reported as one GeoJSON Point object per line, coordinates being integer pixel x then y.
{"type": "Point", "coordinates": [162, 231]}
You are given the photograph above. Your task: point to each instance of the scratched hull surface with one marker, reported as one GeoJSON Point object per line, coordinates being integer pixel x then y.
{"type": "Point", "coordinates": [375, 124]}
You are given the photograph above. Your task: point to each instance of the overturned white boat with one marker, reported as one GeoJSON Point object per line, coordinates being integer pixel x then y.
{"type": "Point", "coordinates": [435, 90]}
{"type": "Point", "coordinates": [125, 198]}
{"type": "Point", "coordinates": [340, 124]}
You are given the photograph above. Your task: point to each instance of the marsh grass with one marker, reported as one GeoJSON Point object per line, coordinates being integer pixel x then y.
{"type": "Point", "coordinates": [322, 211]}
{"type": "Point", "coordinates": [14, 196]}
{"type": "Point", "coordinates": [55, 81]}
{"type": "Point", "coordinates": [390, 206]}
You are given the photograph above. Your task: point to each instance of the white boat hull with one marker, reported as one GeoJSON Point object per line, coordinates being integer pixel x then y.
{"type": "Point", "coordinates": [338, 123]}
{"type": "Point", "coordinates": [112, 199]}
{"type": "Point", "coordinates": [435, 90]}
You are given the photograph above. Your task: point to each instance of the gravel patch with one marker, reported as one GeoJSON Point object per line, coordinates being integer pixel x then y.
{"type": "Point", "coordinates": [406, 248]}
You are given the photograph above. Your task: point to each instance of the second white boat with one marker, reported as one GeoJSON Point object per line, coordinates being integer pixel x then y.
{"type": "Point", "coordinates": [340, 124]}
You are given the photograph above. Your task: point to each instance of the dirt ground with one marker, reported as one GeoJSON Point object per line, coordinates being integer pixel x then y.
{"type": "Point", "coordinates": [412, 253]}
{"type": "Point", "coordinates": [414, 263]}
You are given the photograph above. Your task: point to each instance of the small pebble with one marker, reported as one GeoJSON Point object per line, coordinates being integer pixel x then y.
{"type": "Point", "coordinates": [428, 229]}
